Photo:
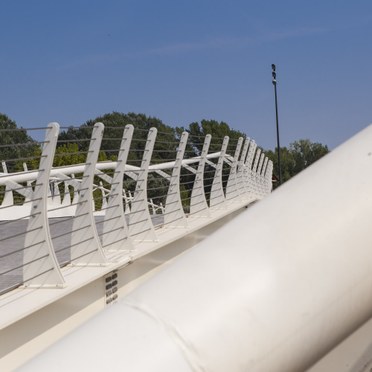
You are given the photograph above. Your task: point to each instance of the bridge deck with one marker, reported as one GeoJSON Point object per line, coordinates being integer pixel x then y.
{"type": "Point", "coordinates": [69, 233]}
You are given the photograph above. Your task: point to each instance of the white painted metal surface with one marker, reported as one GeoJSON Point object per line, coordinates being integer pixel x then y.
{"type": "Point", "coordinates": [97, 217]}
{"type": "Point", "coordinates": [273, 290]}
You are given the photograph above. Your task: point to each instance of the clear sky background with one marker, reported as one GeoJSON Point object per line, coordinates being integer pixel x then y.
{"type": "Point", "coordinates": [183, 61]}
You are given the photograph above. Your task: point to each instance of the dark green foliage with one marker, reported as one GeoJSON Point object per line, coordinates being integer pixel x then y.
{"type": "Point", "coordinates": [74, 143]}
{"type": "Point", "coordinates": [218, 130]}
{"type": "Point", "coordinates": [114, 126]}
{"type": "Point", "coordinates": [15, 145]}
{"type": "Point", "coordinates": [297, 157]}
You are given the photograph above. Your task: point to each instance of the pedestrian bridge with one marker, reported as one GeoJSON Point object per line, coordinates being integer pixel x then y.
{"type": "Point", "coordinates": [72, 225]}
{"type": "Point", "coordinates": [136, 252]}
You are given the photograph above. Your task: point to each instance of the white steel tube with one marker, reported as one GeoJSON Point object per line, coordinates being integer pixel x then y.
{"type": "Point", "coordinates": [273, 290]}
{"type": "Point", "coordinates": [79, 168]}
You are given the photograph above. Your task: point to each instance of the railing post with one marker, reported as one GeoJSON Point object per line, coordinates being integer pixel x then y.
{"type": "Point", "coordinates": [260, 163]}
{"type": "Point", "coordinates": [40, 265]}
{"type": "Point", "coordinates": [231, 188]}
{"type": "Point", "coordinates": [268, 177]}
{"type": "Point", "coordinates": [262, 177]}
{"type": "Point", "coordinates": [198, 202]}
{"type": "Point", "coordinates": [256, 160]}
{"type": "Point", "coordinates": [85, 244]}
{"type": "Point", "coordinates": [140, 225]}
{"type": "Point", "coordinates": [8, 193]}
{"type": "Point", "coordinates": [174, 215]}
{"type": "Point", "coordinates": [217, 195]}
{"type": "Point", "coordinates": [240, 170]}
{"type": "Point", "coordinates": [248, 169]}
{"type": "Point", "coordinates": [253, 172]}
{"type": "Point", "coordinates": [256, 174]}
{"type": "Point", "coordinates": [115, 230]}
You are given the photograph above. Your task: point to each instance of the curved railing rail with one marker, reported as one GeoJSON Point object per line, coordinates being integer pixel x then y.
{"type": "Point", "coordinates": [94, 200]}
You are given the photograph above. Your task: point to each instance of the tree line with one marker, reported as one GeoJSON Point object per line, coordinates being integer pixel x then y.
{"type": "Point", "coordinates": [73, 145]}
{"type": "Point", "coordinates": [295, 158]}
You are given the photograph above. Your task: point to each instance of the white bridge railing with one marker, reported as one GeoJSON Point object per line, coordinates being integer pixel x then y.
{"type": "Point", "coordinates": [74, 202]}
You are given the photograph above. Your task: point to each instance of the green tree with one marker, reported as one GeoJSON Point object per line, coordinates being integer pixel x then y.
{"type": "Point", "coordinates": [68, 154]}
{"type": "Point", "coordinates": [114, 125]}
{"type": "Point", "coordinates": [166, 144]}
{"type": "Point", "coordinates": [15, 145]}
{"type": "Point", "coordinates": [165, 149]}
{"type": "Point", "coordinates": [218, 130]}
{"type": "Point", "coordinates": [286, 161]}
{"type": "Point", "coordinates": [297, 157]}
{"type": "Point", "coordinates": [305, 153]}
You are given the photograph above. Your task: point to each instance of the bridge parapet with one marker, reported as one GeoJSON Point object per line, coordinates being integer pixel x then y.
{"type": "Point", "coordinates": [103, 202]}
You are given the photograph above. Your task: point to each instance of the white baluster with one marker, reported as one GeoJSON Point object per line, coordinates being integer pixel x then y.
{"type": "Point", "coordinates": [85, 244]}
{"type": "Point", "coordinates": [140, 224]}
{"type": "Point", "coordinates": [174, 215]}
{"type": "Point", "coordinates": [40, 265]}
{"type": "Point", "coordinates": [231, 188]}
{"type": "Point", "coordinates": [217, 194]}
{"type": "Point", "coordinates": [198, 202]}
{"type": "Point", "coordinates": [115, 230]}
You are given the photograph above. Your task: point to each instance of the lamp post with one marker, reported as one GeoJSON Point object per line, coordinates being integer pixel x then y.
{"type": "Point", "coordinates": [273, 72]}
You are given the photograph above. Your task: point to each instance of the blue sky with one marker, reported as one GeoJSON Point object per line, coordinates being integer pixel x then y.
{"type": "Point", "coordinates": [183, 61]}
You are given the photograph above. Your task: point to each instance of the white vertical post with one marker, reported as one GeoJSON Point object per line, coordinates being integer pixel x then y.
{"type": "Point", "coordinates": [231, 188]}
{"type": "Point", "coordinates": [257, 175]}
{"type": "Point", "coordinates": [217, 195]}
{"type": "Point", "coordinates": [141, 227]}
{"type": "Point", "coordinates": [40, 265]}
{"type": "Point", "coordinates": [128, 200]}
{"type": "Point", "coordinates": [104, 198]}
{"type": "Point", "coordinates": [56, 194]}
{"type": "Point", "coordinates": [8, 193]}
{"type": "Point", "coordinates": [174, 215]}
{"type": "Point", "coordinates": [240, 170]}
{"type": "Point", "coordinates": [66, 202]}
{"type": "Point", "coordinates": [262, 177]}
{"type": "Point", "coordinates": [248, 169]}
{"type": "Point", "coordinates": [253, 171]}
{"type": "Point", "coordinates": [250, 156]}
{"type": "Point", "coordinates": [115, 229]}
{"type": "Point", "coordinates": [260, 163]}
{"type": "Point", "coordinates": [85, 244]}
{"type": "Point", "coordinates": [263, 170]}
{"type": "Point", "coordinates": [268, 177]}
{"type": "Point", "coordinates": [198, 202]}
{"type": "Point", "coordinates": [29, 183]}
{"type": "Point", "coordinates": [256, 160]}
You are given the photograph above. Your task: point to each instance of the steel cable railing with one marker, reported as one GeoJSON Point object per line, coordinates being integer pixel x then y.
{"type": "Point", "coordinates": [73, 199]}
{"type": "Point", "coordinates": [23, 214]}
